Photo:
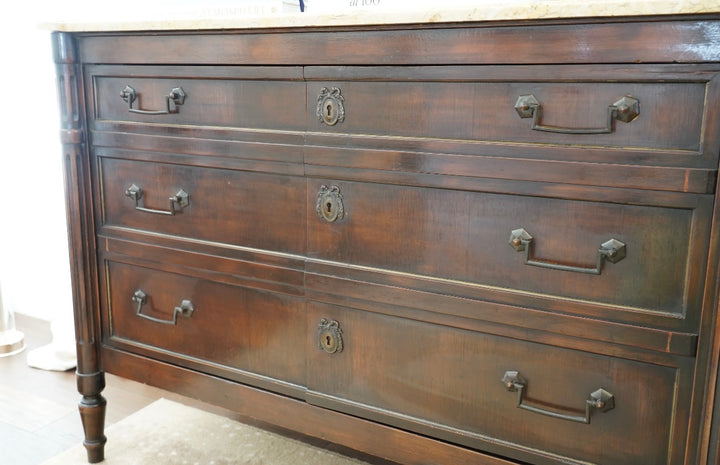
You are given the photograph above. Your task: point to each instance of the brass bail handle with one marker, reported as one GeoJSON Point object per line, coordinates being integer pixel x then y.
{"type": "Point", "coordinates": [626, 109]}
{"type": "Point", "coordinates": [612, 250]}
{"type": "Point", "coordinates": [186, 309]}
{"type": "Point", "coordinates": [599, 400]}
{"type": "Point", "coordinates": [176, 97]}
{"type": "Point", "coordinates": [177, 202]}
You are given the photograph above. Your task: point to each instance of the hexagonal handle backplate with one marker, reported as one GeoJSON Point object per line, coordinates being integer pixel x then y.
{"type": "Point", "coordinates": [612, 250]}
{"type": "Point", "coordinates": [626, 109]}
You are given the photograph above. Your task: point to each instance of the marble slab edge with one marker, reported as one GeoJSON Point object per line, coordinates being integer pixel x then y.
{"type": "Point", "coordinates": [507, 11]}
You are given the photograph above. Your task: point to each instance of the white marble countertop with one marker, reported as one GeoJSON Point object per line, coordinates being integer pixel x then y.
{"type": "Point", "coordinates": [189, 15]}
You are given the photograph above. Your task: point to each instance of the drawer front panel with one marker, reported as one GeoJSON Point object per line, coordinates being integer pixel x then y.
{"type": "Point", "coordinates": [448, 381]}
{"type": "Point", "coordinates": [234, 207]}
{"type": "Point", "coordinates": [669, 115]}
{"type": "Point", "coordinates": [466, 236]}
{"type": "Point", "coordinates": [225, 98]}
{"type": "Point", "coordinates": [236, 327]}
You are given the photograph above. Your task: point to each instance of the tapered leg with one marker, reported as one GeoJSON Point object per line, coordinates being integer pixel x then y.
{"type": "Point", "coordinates": [92, 414]}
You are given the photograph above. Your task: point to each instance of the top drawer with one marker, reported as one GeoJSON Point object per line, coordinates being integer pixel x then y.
{"type": "Point", "coordinates": [237, 97]}
{"type": "Point", "coordinates": [631, 108]}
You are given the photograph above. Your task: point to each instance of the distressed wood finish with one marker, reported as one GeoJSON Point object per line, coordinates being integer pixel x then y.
{"type": "Point", "coordinates": [352, 273]}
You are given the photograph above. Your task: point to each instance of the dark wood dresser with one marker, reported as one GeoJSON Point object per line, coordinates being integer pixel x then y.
{"type": "Point", "coordinates": [464, 243]}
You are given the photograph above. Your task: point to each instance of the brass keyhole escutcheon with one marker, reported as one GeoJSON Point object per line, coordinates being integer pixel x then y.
{"type": "Point", "coordinates": [329, 205]}
{"type": "Point", "coordinates": [330, 336]}
{"type": "Point", "coordinates": [330, 106]}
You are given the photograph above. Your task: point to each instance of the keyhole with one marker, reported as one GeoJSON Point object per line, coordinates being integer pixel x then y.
{"type": "Point", "coordinates": [328, 341]}
{"type": "Point", "coordinates": [329, 207]}
{"type": "Point", "coordinates": [329, 110]}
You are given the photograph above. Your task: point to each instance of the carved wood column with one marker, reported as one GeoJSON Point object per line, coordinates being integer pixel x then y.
{"type": "Point", "coordinates": [90, 378]}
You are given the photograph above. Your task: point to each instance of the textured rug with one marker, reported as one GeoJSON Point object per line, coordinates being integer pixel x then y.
{"type": "Point", "coordinates": [168, 433]}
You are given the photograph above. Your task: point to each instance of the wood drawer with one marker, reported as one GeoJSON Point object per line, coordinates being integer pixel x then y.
{"type": "Point", "coordinates": [666, 112]}
{"type": "Point", "coordinates": [465, 237]}
{"type": "Point", "coordinates": [271, 98]}
{"type": "Point", "coordinates": [234, 207]}
{"type": "Point", "coordinates": [252, 333]}
{"type": "Point", "coordinates": [448, 383]}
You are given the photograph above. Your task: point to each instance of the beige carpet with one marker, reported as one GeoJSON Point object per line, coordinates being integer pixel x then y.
{"type": "Point", "coordinates": [168, 433]}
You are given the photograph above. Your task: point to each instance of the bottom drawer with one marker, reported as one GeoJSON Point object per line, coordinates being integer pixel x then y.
{"type": "Point", "coordinates": [448, 383]}
{"type": "Point", "coordinates": [253, 331]}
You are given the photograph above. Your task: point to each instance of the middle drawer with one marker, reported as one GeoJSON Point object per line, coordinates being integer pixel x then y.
{"type": "Point", "coordinates": [256, 210]}
{"type": "Point", "coordinates": [632, 257]}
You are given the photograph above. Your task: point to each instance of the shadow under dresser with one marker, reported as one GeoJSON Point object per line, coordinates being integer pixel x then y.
{"type": "Point", "coordinates": [458, 243]}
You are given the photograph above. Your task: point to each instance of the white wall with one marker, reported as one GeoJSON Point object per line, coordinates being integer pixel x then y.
{"type": "Point", "coordinates": [34, 269]}
{"type": "Point", "coordinates": [34, 264]}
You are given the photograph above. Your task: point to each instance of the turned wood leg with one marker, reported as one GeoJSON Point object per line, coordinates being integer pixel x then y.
{"type": "Point", "coordinates": [78, 198]}
{"type": "Point", "coordinates": [92, 414]}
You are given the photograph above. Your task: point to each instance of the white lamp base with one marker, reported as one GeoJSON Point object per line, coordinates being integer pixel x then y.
{"type": "Point", "coordinates": [11, 342]}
